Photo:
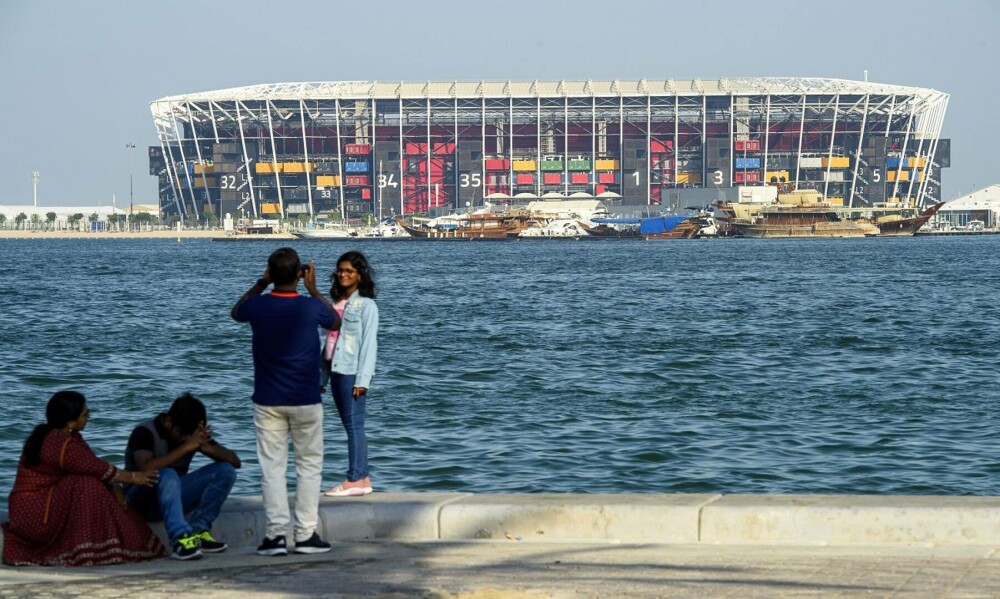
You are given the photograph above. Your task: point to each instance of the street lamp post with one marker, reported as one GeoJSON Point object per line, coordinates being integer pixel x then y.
{"type": "Point", "coordinates": [34, 180]}
{"type": "Point", "coordinates": [130, 147]}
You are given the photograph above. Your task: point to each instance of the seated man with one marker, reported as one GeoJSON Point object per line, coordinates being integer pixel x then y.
{"type": "Point", "coordinates": [168, 443]}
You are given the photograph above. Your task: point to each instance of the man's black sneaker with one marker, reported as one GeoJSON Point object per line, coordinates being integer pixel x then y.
{"type": "Point", "coordinates": [313, 544]}
{"type": "Point", "coordinates": [209, 544]}
{"type": "Point", "coordinates": [275, 546]}
{"type": "Point", "coordinates": [187, 547]}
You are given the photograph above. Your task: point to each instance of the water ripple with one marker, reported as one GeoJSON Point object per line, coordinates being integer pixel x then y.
{"type": "Point", "coordinates": [810, 366]}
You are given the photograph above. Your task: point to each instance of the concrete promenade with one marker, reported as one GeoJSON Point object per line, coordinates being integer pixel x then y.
{"type": "Point", "coordinates": [446, 545]}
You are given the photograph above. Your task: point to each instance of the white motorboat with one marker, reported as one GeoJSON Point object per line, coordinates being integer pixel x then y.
{"type": "Point", "coordinates": [558, 228]}
{"type": "Point", "coordinates": [328, 231]}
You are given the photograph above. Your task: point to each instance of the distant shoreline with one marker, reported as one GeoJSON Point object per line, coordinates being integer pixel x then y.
{"type": "Point", "coordinates": [155, 234]}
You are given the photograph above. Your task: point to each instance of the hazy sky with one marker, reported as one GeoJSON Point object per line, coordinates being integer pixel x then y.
{"type": "Point", "coordinates": [76, 77]}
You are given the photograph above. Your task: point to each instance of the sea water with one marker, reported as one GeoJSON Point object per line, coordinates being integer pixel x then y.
{"type": "Point", "coordinates": [678, 366]}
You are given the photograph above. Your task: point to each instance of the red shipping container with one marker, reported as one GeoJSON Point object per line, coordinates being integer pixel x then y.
{"type": "Point", "coordinates": [525, 179]}
{"type": "Point", "coordinates": [605, 177]}
{"type": "Point", "coordinates": [412, 148]}
{"type": "Point", "coordinates": [552, 178]}
{"type": "Point", "coordinates": [356, 180]}
{"type": "Point", "coordinates": [496, 164]}
{"type": "Point", "coordinates": [579, 178]}
{"type": "Point", "coordinates": [600, 189]}
{"type": "Point", "coordinates": [357, 149]}
{"type": "Point", "coordinates": [660, 146]}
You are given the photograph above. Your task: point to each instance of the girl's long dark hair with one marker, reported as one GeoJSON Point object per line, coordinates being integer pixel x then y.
{"type": "Point", "coordinates": [366, 288]}
{"type": "Point", "coordinates": [63, 407]}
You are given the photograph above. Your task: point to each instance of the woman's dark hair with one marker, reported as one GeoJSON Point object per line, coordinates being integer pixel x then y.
{"type": "Point", "coordinates": [63, 407]}
{"type": "Point", "coordinates": [366, 288]}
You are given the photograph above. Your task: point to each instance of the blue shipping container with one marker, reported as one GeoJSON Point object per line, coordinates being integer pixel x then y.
{"type": "Point", "coordinates": [892, 162]}
{"type": "Point", "coordinates": [355, 167]}
{"type": "Point", "coordinates": [747, 163]}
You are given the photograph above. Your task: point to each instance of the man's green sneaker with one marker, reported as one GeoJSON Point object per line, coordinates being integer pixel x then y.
{"type": "Point", "coordinates": [187, 547]}
{"type": "Point", "coordinates": [209, 544]}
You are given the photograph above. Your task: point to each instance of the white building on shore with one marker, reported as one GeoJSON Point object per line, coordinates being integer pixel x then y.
{"type": "Point", "coordinates": [982, 205]}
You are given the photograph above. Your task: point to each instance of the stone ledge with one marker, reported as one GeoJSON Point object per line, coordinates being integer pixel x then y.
{"type": "Point", "coordinates": [637, 518]}
{"type": "Point", "coordinates": [852, 519]}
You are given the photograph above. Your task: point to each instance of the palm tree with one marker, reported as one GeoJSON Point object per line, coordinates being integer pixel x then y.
{"type": "Point", "coordinates": [35, 220]}
{"type": "Point", "coordinates": [50, 218]}
{"type": "Point", "coordinates": [19, 220]}
{"type": "Point", "coordinates": [3, 220]}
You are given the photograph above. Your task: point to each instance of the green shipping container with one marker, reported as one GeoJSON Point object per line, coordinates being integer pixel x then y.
{"type": "Point", "coordinates": [579, 165]}
{"type": "Point", "coordinates": [552, 165]}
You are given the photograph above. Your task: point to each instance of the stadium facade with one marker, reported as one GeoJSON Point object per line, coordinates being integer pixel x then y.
{"type": "Point", "coordinates": [360, 147]}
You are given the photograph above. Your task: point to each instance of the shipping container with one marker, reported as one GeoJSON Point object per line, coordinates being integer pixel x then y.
{"type": "Point", "coordinates": [327, 180]}
{"type": "Point", "coordinates": [579, 165]}
{"type": "Point", "coordinates": [747, 163]}
{"type": "Point", "coordinates": [606, 165]}
{"type": "Point", "coordinates": [688, 178]}
{"type": "Point", "coordinates": [265, 168]}
{"type": "Point", "coordinates": [356, 180]}
{"type": "Point", "coordinates": [525, 179]}
{"type": "Point", "coordinates": [747, 145]}
{"type": "Point", "coordinates": [356, 167]}
{"type": "Point", "coordinates": [298, 167]}
{"type": "Point", "coordinates": [661, 147]}
{"type": "Point", "coordinates": [552, 165]}
{"type": "Point", "coordinates": [836, 162]}
{"type": "Point", "coordinates": [270, 208]}
{"type": "Point", "coordinates": [551, 178]}
{"type": "Point", "coordinates": [605, 177]}
{"type": "Point", "coordinates": [357, 149]}
{"type": "Point", "coordinates": [366, 193]}
{"type": "Point", "coordinates": [776, 176]}
{"type": "Point", "coordinates": [579, 178]}
{"type": "Point", "coordinates": [497, 164]}
{"type": "Point", "coordinates": [524, 165]}
{"type": "Point", "coordinates": [810, 162]}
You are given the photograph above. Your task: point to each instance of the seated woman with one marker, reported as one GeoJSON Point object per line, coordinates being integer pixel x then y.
{"type": "Point", "coordinates": [64, 508]}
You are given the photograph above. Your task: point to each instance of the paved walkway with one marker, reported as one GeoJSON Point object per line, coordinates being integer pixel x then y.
{"type": "Point", "coordinates": [518, 570]}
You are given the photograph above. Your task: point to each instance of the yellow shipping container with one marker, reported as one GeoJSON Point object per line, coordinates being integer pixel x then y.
{"type": "Point", "coordinates": [837, 162]}
{"type": "Point", "coordinates": [268, 168]}
{"type": "Point", "coordinates": [836, 201]}
{"type": "Point", "coordinates": [270, 208]}
{"type": "Point", "coordinates": [689, 178]}
{"type": "Point", "coordinates": [327, 180]}
{"type": "Point", "coordinates": [198, 168]}
{"type": "Point", "coordinates": [916, 162]}
{"type": "Point", "coordinates": [524, 165]}
{"type": "Point", "coordinates": [606, 165]}
{"type": "Point", "coordinates": [903, 176]}
{"type": "Point", "coordinates": [199, 183]}
{"type": "Point", "coordinates": [297, 167]}
{"type": "Point", "coordinates": [776, 175]}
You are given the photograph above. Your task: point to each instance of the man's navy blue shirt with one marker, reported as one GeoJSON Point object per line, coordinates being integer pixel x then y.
{"type": "Point", "coordinates": [286, 354]}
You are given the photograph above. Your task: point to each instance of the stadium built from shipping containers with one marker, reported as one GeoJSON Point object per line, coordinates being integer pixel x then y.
{"type": "Point", "coordinates": [380, 148]}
